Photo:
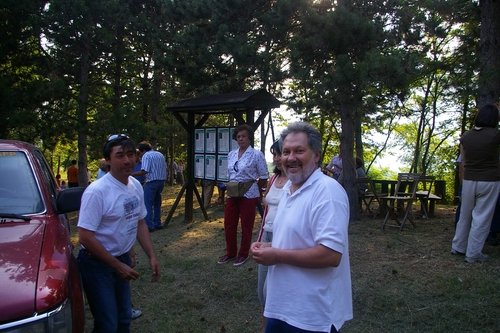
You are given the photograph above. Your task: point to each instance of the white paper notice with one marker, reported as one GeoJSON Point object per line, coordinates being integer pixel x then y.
{"type": "Point", "coordinates": [222, 169]}
{"type": "Point", "coordinates": [224, 140]}
{"type": "Point", "coordinates": [210, 140]}
{"type": "Point", "coordinates": [234, 143]}
{"type": "Point", "coordinates": [199, 166]}
{"type": "Point", "coordinates": [199, 140]}
{"type": "Point", "coordinates": [210, 167]}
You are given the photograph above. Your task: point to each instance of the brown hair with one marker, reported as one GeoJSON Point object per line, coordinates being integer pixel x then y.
{"type": "Point", "coordinates": [243, 127]}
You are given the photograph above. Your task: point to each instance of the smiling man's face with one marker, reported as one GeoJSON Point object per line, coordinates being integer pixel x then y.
{"type": "Point", "coordinates": [121, 162]}
{"type": "Point", "coordinates": [298, 159]}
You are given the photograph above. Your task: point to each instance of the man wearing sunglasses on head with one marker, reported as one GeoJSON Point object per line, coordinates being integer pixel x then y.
{"type": "Point", "coordinates": [111, 218]}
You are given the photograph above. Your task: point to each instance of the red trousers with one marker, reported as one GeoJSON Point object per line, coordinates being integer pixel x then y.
{"type": "Point", "coordinates": [235, 208]}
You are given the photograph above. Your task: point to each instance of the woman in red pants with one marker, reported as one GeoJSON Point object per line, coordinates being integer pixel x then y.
{"type": "Point", "coordinates": [247, 166]}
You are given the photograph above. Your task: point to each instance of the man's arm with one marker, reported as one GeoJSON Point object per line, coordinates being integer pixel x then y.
{"type": "Point", "coordinates": [94, 246]}
{"type": "Point", "coordinates": [144, 239]}
{"type": "Point", "coordinates": [262, 183]}
{"type": "Point", "coordinates": [329, 167]}
{"type": "Point", "coordinates": [139, 173]}
{"type": "Point", "coordinates": [133, 258]}
{"type": "Point", "coordinates": [462, 165]}
{"type": "Point", "coordinates": [314, 257]}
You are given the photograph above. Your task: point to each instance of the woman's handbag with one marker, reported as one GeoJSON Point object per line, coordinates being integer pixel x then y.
{"type": "Point", "coordinates": [238, 189]}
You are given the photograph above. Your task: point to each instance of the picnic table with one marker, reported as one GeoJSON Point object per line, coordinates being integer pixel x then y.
{"type": "Point", "coordinates": [428, 199]}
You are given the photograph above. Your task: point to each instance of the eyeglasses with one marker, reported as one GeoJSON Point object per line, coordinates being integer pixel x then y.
{"type": "Point", "coordinates": [117, 136]}
{"type": "Point", "coordinates": [235, 168]}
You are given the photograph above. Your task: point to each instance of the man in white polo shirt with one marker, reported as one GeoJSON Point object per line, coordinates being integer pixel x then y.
{"type": "Point", "coordinates": [309, 279]}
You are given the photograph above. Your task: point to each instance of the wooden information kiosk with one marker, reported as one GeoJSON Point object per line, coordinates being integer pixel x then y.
{"type": "Point", "coordinates": [192, 115]}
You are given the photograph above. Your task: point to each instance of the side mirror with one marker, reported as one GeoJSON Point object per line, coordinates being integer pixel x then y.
{"type": "Point", "coordinates": [69, 199]}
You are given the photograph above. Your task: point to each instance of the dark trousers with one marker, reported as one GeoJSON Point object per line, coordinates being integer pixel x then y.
{"type": "Point", "coordinates": [107, 293]}
{"type": "Point", "coordinates": [279, 326]}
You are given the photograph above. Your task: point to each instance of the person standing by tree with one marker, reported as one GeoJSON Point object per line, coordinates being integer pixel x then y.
{"type": "Point", "coordinates": [335, 166]}
{"type": "Point", "coordinates": [155, 169]}
{"type": "Point", "coordinates": [103, 168]}
{"type": "Point", "coordinates": [73, 175]}
{"type": "Point", "coordinates": [180, 173]}
{"type": "Point", "coordinates": [479, 148]}
{"type": "Point", "coordinates": [308, 280]}
{"type": "Point", "coordinates": [89, 176]}
{"type": "Point", "coordinates": [175, 167]}
{"type": "Point", "coordinates": [111, 218]}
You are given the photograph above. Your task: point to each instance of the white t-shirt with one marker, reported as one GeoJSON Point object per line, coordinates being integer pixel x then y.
{"type": "Point", "coordinates": [311, 298]}
{"type": "Point", "coordinates": [273, 197]}
{"type": "Point", "coordinates": [112, 209]}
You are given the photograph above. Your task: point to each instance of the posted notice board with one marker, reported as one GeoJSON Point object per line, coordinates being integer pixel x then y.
{"type": "Point", "coordinates": [212, 145]}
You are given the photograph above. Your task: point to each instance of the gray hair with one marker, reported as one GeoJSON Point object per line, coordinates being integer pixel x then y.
{"type": "Point", "coordinates": [313, 135]}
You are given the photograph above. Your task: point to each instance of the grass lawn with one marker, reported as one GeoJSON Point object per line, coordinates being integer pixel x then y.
{"type": "Point", "coordinates": [402, 281]}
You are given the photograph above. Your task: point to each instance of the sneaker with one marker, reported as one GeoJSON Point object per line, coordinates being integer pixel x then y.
{"type": "Point", "coordinates": [240, 261]}
{"type": "Point", "coordinates": [453, 251]}
{"type": "Point", "coordinates": [225, 259]}
{"type": "Point", "coordinates": [136, 314]}
{"type": "Point", "coordinates": [480, 258]}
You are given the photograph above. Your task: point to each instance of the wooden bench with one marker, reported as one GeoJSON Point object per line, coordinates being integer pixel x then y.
{"type": "Point", "coordinates": [428, 201]}
{"type": "Point", "coordinates": [432, 203]}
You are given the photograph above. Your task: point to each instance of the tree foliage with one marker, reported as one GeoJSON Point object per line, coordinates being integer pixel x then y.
{"type": "Point", "coordinates": [372, 75]}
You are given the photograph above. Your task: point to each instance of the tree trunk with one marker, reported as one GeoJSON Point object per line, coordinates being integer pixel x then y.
{"type": "Point", "coordinates": [348, 163]}
{"type": "Point", "coordinates": [263, 136]}
{"type": "Point", "coordinates": [358, 136]}
{"type": "Point", "coordinates": [155, 105]}
{"type": "Point", "coordinates": [117, 77]}
{"type": "Point", "coordinates": [82, 113]}
{"type": "Point", "coordinates": [489, 46]}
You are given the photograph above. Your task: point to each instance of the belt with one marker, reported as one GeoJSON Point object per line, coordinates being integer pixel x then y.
{"type": "Point", "coordinates": [121, 257]}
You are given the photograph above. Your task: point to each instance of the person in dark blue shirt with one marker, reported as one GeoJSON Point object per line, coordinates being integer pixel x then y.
{"type": "Point", "coordinates": [141, 178]}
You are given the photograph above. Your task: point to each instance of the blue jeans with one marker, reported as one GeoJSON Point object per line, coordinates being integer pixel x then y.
{"type": "Point", "coordinates": [152, 199]}
{"type": "Point", "coordinates": [279, 326]}
{"type": "Point", "coordinates": [108, 294]}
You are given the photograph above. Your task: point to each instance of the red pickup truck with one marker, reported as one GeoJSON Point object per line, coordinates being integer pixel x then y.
{"type": "Point", "coordinates": [40, 287]}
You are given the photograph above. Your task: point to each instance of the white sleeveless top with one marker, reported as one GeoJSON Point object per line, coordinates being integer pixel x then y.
{"type": "Point", "coordinates": [272, 200]}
